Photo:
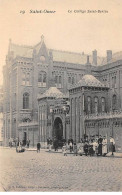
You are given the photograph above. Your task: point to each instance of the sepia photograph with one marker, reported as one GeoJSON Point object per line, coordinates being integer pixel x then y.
{"type": "Point", "coordinates": [60, 96]}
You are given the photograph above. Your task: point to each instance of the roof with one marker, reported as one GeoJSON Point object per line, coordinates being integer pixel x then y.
{"type": "Point", "coordinates": [89, 81]}
{"type": "Point", "coordinates": [61, 56]}
{"type": "Point", "coordinates": [58, 55]}
{"type": "Point", "coordinates": [52, 92]}
{"type": "Point", "coordinates": [21, 50]}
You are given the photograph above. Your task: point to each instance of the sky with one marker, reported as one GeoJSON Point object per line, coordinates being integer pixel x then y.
{"type": "Point", "coordinates": [62, 30]}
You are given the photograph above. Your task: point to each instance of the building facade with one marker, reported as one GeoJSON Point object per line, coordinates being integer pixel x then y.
{"type": "Point", "coordinates": [28, 73]}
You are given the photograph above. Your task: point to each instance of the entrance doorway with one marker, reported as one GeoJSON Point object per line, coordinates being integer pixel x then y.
{"type": "Point", "coordinates": [58, 129]}
{"type": "Point", "coordinates": [25, 138]}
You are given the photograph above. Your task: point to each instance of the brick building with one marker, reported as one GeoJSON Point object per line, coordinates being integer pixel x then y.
{"type": "Point", "coordinates": [28, 74]}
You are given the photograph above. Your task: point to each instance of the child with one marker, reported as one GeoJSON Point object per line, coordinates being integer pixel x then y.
{"type": "Point", "coordinates": [64, 150]}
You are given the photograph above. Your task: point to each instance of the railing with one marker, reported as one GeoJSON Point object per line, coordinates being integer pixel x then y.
{"type": "Point", "coordinates": [115, 114]}
{"type": "Point", "coordinates": [28, 124]}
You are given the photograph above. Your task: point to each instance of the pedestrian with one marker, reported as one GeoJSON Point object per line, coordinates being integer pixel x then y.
{"type": "Point", "coordinates": [70, 146]}
{"type": "Point", "coordinates": [112, 145]}
{"type": "Point", "coordinates": [86, 148]}
{"type": "Point", "coordinates": [55, 143]}
{"type": "Point", "coordinates": [64, 149]}
{"type": "Point", "coordinates": [91, 148]}
{"type": "Point", "coordinates": [81, 148]}
{"type": "Point", "coordinates": [95, 146]}
{"type": "Point", "coordinates": [104, 146]}
{"type": "Point", "coordinates": [100, 145]}
{"type": "Point", "coordinates": [38, 147]}
{"type": "Point", "coordinates": [50, 144]}
{"type": "Point", "coordinates": [75, 149]}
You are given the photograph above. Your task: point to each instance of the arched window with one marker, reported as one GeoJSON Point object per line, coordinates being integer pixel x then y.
{"type": "Point", "coordinates": [89, 104]}
{"type": "Point", "coordinates": [25, 101]}
{"type": "Point", "coordinates": [96, 104]}
{"type": "Point", "coordinates": [103, 104]}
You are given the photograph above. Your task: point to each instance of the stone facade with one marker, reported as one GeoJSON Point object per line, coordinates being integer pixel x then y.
{"type": "Point", "coordinates": [28, 73]}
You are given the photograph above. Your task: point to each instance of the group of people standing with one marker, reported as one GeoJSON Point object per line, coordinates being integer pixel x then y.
{"type": "Point", "coordinates": [98, 146]}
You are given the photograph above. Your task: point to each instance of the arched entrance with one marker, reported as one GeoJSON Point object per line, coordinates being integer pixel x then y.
{"type": "Point", "coordinates": [58, 129]}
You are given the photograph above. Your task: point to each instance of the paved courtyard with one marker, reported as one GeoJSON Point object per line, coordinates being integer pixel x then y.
{"type": "Point", "coordinates": [31, 171]}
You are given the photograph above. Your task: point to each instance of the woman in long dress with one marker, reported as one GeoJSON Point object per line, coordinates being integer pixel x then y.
{"type": "Point", "coordinates": [104, 146]}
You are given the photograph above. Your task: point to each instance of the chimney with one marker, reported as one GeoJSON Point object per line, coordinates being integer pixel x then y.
{"type": "Point", "coordinates": [88, 66]}
{"type": "Point", "coordinates": [94, 55]}
{"type": "Point", "coordinates": [109, 55]}
{"type": "Point", "coordinates": [88, 63]}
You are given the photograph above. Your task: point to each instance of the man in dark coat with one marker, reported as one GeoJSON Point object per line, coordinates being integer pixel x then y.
{"type": "Point", "coordinates": [100, 145]}
{"type": "Point", "coordinates": [86, 148]}
{"type": "Point", "coordinates": [38, 147]}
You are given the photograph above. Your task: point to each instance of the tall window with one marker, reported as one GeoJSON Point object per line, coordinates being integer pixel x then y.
{"type": "Point", "coordinates": [96, 104]}
{"type": "Point", "coordinates": [25, 101]}
{"type": "Point", "coordinates": [103, 104]}
{"type": "Point", "coordinates": [113, 81]}
{"type": "Point", "coordinates": [69, 79]}
{"type": "Point", "coordinates": [89, 104]}
{"type": "Point", "coordinates": [58, 81]}
{"type": "Point", "coordinates": [42, 79]}
{"type": "Point", "coordinates": [114, 102]}
{"type": "Point", "coordinates": [28, 79]}
{"type": "Point", "coordinates": [73, 80]}
{"type": "Point", "coordinates": [23, 78]}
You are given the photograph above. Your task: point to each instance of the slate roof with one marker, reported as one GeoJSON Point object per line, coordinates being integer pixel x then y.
{"type": "Point", "coordinates": [61, 56]}
{"type": "Point", "coordinates": [88, 81]}
{"type": "Point", "coordinates": [52, 92]}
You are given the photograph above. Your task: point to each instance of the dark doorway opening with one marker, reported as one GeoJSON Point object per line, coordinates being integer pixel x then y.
{"type": "Point", "coordinates": [25, 139]}
{"type": "Point", "coordinates": [58, 129]}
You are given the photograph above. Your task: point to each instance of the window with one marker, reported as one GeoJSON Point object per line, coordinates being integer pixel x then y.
{"type": "Point", "coordinates": [96, 104]}
{"type": "Point", "coordinates": [59, 82]}
{"type": "Point", "coordinates": [42, 79]}
{"type": "Point", "coordinates": [23, 78]}
{"type": "Point", "coordinates": [114, 82]}
{"type": "Point", "coordinates": [69, 79]}
{"type": "Point", "coordinates": [114, 102]}
{"type": "Point", "coordinates": [42, 59]}
{"type": "Point", "coordinates": [89, 104]}
{"type": "Point", "coordinates": [103, 104]}
{"type": "Point", "coordinates": [73, 80]}
{"type": "Point", "coordinates": [28, 79]}
{"type": "Point", "coordinates": [25, 101]}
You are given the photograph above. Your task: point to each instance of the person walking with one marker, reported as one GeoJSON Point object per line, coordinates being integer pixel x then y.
{"type": "Point", "coordinates": [38, 147]}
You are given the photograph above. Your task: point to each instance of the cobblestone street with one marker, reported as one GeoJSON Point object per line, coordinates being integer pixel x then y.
{"type": "Point", "coordinates": [44, 171]}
